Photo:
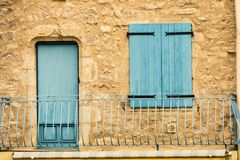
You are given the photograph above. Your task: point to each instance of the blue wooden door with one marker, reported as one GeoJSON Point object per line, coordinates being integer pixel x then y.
{"type": "Point", "coordinates": [160, 64]}
{"type": "Point", "coordinates": [57, 89]}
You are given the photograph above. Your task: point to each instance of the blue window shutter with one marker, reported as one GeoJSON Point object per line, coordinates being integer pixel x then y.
{"type": "Point", "coordinates": [187, 56]}
{"type": "Point", "coordinates": [184, 43]}
{"type": "Point", "coordinates": [161, 64]}
{"type": "Point", "coordinates": [180, 52]}
{"type": "Point", "coordinates": [142, 69]}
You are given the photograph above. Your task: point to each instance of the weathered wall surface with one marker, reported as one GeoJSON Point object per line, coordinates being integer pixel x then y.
{"type": "Point", "coordinates": [100, 26]}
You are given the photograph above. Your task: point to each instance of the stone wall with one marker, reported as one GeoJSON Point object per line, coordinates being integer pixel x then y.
{"type": "Point", "coordinates": [100, 27]}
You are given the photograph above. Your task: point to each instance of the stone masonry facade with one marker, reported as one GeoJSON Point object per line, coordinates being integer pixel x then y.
{"type": "Point", "coordinates": [99, 27]}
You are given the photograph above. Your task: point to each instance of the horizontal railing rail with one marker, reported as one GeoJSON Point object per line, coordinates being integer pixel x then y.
{"type": "Point", "coordinates": [63, 122]}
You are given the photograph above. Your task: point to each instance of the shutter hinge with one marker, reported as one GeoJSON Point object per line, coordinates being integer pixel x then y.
{"type": "Point", "coordinates": [178, 33]}
{"type": "Point", "coordinates": [181, 96]}
{"type": "Point", "coordinates": [140, 33]}
{"type": "Point", "coordinates": [141, 96]}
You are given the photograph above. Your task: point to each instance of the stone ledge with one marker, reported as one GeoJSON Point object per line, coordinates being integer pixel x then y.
{"type": "Point", "coordinates": [6, 155]}
{"type": "Point", "coordinates": [124, 154]}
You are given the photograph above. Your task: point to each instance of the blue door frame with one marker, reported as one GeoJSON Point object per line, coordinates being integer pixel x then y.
{"type": "Point", "coordinates": [57, 91]}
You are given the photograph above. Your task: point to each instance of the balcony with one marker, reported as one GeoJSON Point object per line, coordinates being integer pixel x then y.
{"type": "Point", "coordinates": [53, 122]}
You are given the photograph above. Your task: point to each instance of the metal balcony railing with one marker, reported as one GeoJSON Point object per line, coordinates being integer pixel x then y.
{"type": "Point", "coordinates": [55, 122]}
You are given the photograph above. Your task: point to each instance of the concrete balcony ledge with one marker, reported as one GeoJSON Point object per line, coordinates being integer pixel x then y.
{"type": "Point", "coordinates": [124, 154]}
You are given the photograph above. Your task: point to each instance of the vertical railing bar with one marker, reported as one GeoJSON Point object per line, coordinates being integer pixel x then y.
{"type": "Point", "coordinates": [148, 123]}
{"type": "Point", "coordinates": [17, 125]}
{"type": "Point", "coordinates": [46, 119]}
{"type": "Point", "coordinates": [125, 120]}
{"type": "Point", "coordinates": [133, 121]}
{"type": "Point", "coordinates": [111, 103]}
{"type": "Point", "coordinates": [140, 122]}
{"type": "Point", "coordinates": [9, 124]}
{"type": "Point", "coordinates": [89, 123]}
{"type": "Point", "coordinates": [230, 113]}
{"type": "Point", "coordinates": [76, 121]}
{"type": "Point", "coordinates": [53, 127]}
{"type": "Point", "coordinates": [104, 107]}
{"type": "Point", "coordinates": [200, 120]}
{"type": "Point", "coordinates": [68, 119]}
{"type": "Point", "coordinates": [31, 125]}
{"type": "Point", "coordinates": [118, 121]}
{"type": "Point", "coordinates": [163, 140]}
{"type": "Point", "coordinates": [215, 121]}
{"type": "Point", "coordinates": [97, 103]}
{"type": "Point", "coordinates": [2, 119]}
{"type": "Point", "coordinates": [155, 123]}
{"type": "Point", "coordinates": [170, 108]}
{"type": "Point", "coordinates": [24, 123]}
{"type": "Point", "coordinates": [61, 119]}
{"type": "Point", "coordinates": [208, 112]}
{"type": "Point", "coordinates": [178, 105]}
{"type": "Point", "coordinates": [39, 118]}
{"type": "Point", "coordinates": [82, 125]}
{"type": "Point", "coordinates": [235, 131]}
{"type": "Point", "coordinates": [185, 116]}
{"type": "Point", "coordinates": [2, 123]}
{"type": "Point", "coordinates": [193, 113]}
{"type": "Point", "coordinates": [0, 108]}
{"type": "Point", "coordinates": [223, 119]}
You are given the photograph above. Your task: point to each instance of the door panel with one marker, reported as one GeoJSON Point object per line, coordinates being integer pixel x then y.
{"type": "Point", "coordinates": [57, 78]}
